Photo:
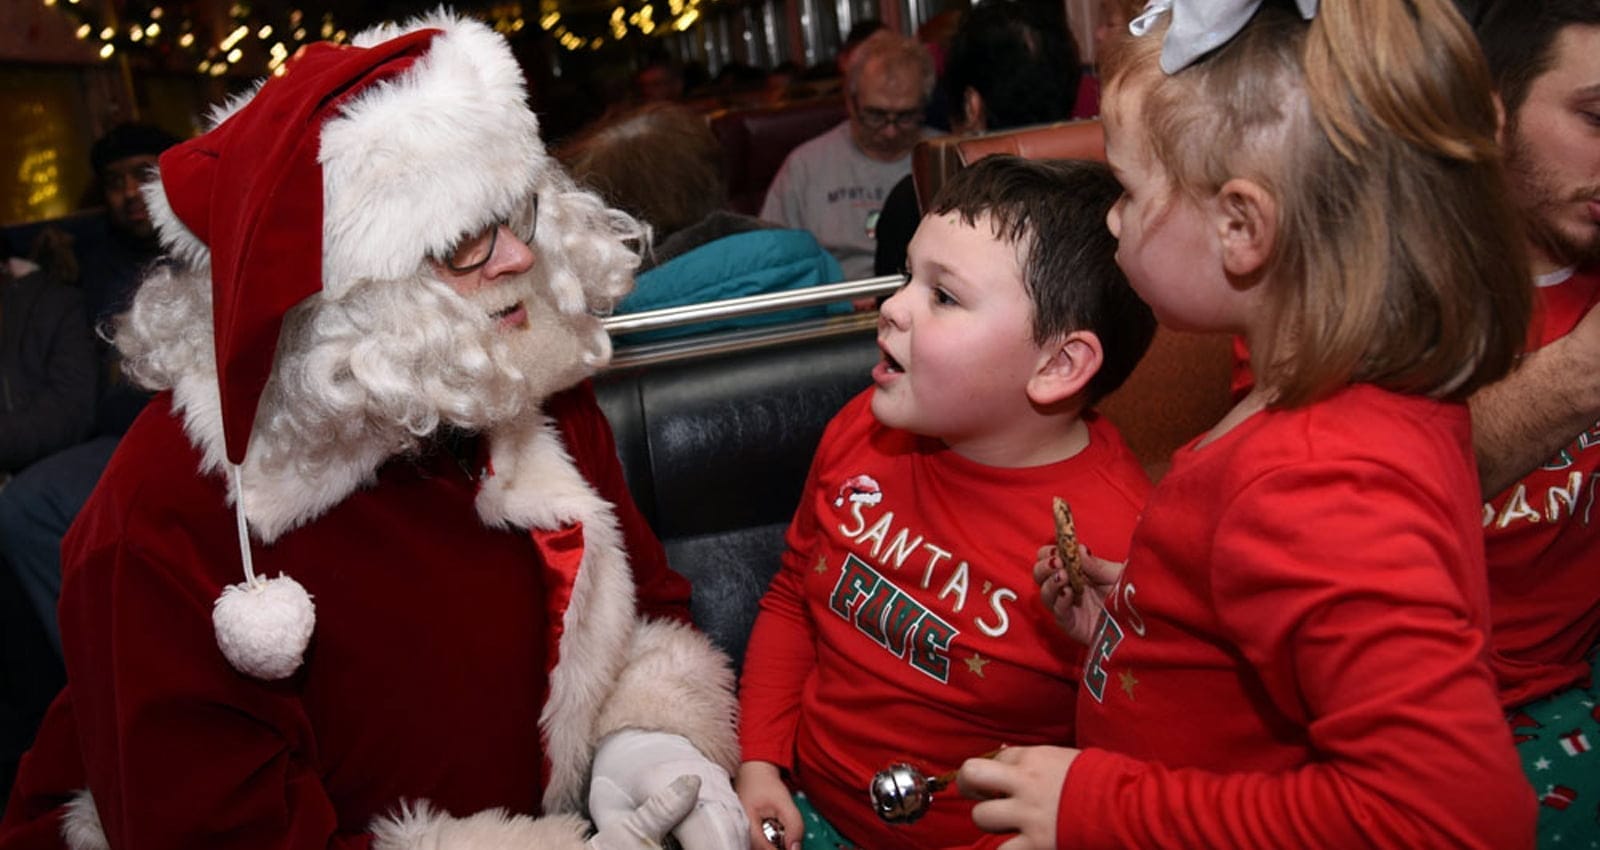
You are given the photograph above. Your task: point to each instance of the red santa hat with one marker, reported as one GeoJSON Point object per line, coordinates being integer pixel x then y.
{"type": "Point", "coordinates": [357, 163]}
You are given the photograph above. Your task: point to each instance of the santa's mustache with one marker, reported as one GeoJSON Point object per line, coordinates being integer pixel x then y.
{"type": "Point", "coordinates": [531, 290]}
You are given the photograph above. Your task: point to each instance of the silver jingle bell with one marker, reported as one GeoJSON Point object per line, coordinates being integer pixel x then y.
{"type": "Point", "coordinates": [773, 831]}
{"type": "Point", "coordinates": [901, 793]}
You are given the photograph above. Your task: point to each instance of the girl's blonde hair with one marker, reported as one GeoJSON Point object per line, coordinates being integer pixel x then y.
{"type": "Point", "coordinates": [1398, 261]}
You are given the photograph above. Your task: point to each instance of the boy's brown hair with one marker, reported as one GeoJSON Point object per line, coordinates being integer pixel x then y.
{"type": "Point", "coordinates": [1054, 213]}
{"type": "Point", "coordinates": [1399, 261]}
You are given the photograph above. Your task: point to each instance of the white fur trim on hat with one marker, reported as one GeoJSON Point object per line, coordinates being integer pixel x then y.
{"type": "Point", "coordinates": [444, 149]}
{"type": "Point", "coordinates": [412, 163]}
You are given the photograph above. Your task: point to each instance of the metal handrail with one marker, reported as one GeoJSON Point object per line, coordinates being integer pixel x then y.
{"type": "Point", "coordinates": [751, 305]}
{"type": "Point", "coordinates": [745, 339]}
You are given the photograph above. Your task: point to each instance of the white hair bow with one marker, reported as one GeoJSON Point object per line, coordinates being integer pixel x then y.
{"type": "Point", "coordinates": [1200, 26]}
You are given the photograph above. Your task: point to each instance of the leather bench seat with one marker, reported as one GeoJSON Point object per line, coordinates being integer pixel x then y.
{"type": "Point", "coordinates": [716, 451]}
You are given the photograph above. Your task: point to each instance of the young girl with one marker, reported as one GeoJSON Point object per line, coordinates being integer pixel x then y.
{"type": "Point", "coordinates": [1293, 655]}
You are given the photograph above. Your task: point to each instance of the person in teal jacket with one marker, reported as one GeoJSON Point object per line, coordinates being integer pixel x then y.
{"type": "Point", "coordinates": [702, 251]}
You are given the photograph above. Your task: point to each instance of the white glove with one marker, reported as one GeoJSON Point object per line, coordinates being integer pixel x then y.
{"type": "Point", "coordinates": [632, 766]}
{"type": "Point", "coordinates": [648, 825]}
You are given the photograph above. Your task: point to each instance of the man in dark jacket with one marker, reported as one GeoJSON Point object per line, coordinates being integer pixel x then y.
{"type": "Point", "coordinates": [39, 506]}
{"type": "Point", "coordinates": [47, 388]}
{"type": "Point", "coordinates": [47, 366]}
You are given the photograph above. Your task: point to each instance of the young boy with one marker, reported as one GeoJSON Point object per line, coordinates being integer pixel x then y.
{"type": "Point", "coordinates": [902, 626]}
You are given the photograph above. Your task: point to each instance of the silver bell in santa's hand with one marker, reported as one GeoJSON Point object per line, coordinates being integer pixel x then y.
{"type": "Point", "coordinates": [901, 793]}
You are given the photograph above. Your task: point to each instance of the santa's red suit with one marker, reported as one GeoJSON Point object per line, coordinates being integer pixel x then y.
{"type": "Point", "coordinates": [455, 630]}
{"type": "Point", "coordinates": [438, 642]}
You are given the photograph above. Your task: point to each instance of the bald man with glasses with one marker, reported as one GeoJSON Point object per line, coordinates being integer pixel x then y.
{"type": "Point", "coordinates": [835, 184]}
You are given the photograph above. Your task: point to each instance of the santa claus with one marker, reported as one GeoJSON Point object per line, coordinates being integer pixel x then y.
{"type": "Point", "coordinates": [366, 572]}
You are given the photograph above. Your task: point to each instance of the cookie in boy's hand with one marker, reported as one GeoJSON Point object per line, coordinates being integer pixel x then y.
{"type": "Point", "coordinates": [1067, 548]}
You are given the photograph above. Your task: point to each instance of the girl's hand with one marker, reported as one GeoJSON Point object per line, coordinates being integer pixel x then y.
{"type": "Point", "coordinates": [764, 795]}
{"type": "Point", "coordinates": [1020, 790]}
{"type": "Point", "coordinates": [1078, 620]}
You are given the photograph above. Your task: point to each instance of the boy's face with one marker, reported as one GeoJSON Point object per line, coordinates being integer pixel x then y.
{"type": "Point", "coordinates": [1164, 243]}
{"type": "Point", "coordinates": [1552, 149]}
{"type": "Point", "coordinates": [957, 339]}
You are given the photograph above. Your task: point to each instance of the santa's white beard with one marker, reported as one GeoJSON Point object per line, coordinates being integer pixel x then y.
{"type": "Point", "coordinates": [392, 361]}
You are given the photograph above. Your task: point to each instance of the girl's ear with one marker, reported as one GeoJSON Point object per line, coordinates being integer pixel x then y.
{"type": "Point", "coordinates": [1247, 222]}
{"type": "Point", "coordinates": [1065, 369]}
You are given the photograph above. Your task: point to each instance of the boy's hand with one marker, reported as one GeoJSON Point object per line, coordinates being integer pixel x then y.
{"type": "Point", "coordinates": [1078, 620]}
{"type": "Point", "coordinates": [764, 795]}
{"type": "Point", "coordinates": [1020, 791]}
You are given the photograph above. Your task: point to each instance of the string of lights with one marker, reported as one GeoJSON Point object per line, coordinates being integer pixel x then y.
{"type": "Point", "coordinates": [253, 40]}
{"type": "Point", "coordinates": [249, 41]}
{"type": "Point", "coordinates": [625, 21]}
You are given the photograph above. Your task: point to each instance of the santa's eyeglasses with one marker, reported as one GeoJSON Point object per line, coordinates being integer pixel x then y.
{"type": "Point", "coordinates": [471, 253]}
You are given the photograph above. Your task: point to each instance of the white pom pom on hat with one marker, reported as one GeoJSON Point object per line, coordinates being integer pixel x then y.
{"type": "Point", "coordinates": [264, 626]}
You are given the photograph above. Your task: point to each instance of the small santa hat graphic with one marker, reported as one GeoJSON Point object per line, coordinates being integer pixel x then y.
{"type": "Point", "coordinates": [860, 488]}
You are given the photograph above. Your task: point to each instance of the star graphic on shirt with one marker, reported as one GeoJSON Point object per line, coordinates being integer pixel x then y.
{"type": "Point", "coordinates": [975, 664]}
{"type": "Point", "coordinates": [822, 564]}
{"type": "Point", "coordinates": [1542, 764]}
{"type": "Point", "coordinates": [1128, 682]}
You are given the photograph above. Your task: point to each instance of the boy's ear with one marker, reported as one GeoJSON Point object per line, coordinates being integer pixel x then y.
{"type": "Point", "coordinates": [1247, 223]}
{"type": "Point", "coordinates": [1066, 368]}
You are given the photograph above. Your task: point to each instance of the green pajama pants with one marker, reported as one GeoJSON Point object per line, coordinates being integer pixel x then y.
{"type": "Point", "coordinates": [1558, 738]}
{"type": "Point", "coordinates": [820, 835]}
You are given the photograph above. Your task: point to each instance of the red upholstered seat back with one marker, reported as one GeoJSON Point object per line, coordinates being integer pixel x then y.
{"type": "Point", "coordinates": [757, 139]}
{"type": "Point", "coordinates": [934, 160]}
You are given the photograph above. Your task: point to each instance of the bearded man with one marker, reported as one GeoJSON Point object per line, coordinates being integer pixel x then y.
{"type": "Point", "coordinates": [1537, 431]}
{"type": "Point", "coordinates": [369, 349]}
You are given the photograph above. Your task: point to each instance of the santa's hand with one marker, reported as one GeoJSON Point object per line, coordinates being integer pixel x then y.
{"type": "Point", "coordinates": [648, 825]}
{"type": "Point", "coordinates": [632, 766]}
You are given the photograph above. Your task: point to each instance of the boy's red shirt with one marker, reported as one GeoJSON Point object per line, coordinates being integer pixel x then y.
{"type": "Point", "coordinates": [905, 624]}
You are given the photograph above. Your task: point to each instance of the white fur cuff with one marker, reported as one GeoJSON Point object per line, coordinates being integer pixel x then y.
{"type": "Point", "coordinates": [676, 681]}
{"type": "Point", "coordinates": [420, 827]}
{"type": "Point", "coordinates": [80, 824]}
